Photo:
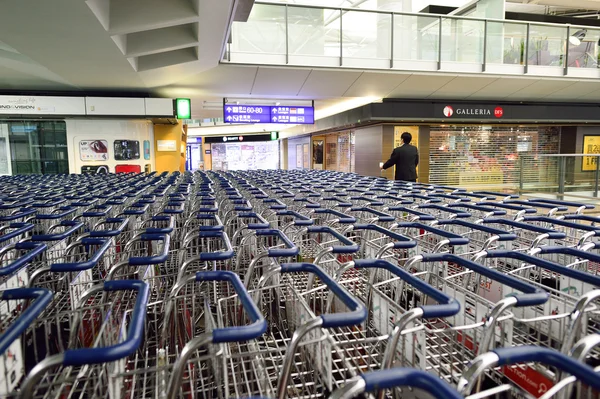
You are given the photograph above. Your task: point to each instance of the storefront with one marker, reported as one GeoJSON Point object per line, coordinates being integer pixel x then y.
{"type": "Point", "coordinates": [492, 145]}
{"type": "Point", "coordinates": [248, 152]}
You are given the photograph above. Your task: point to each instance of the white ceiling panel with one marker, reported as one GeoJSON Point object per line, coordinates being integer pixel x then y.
{"type": "Point", "coordinates": [574, 91]}
{"type": "Point", "coordinates": [540, 89]}
{"type": "Point", "coordinates": [371, 84]}
{"type": "Point", "coordinates": [501, 88]}
{"type": "Point", "coordinates": [279, 81]}
{"type": "Point", "coordinates": [324, 83]}
{"type": "Point", "coordinates": [462, 87]}
{"type": "Point", "coordinates": [420, 86]}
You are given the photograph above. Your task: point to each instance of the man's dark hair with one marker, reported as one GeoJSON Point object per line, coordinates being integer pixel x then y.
{"type": "Point", "coordinates": [406, 137]}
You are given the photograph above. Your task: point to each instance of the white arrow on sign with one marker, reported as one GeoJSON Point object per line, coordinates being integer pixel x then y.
{"type": "Point", "coordinates": [274, 119]}
{"type": "Point", "coordinates": [229, 118]}
{"type": "Point", "coordinates": [228, 109]}
{"type": "Point", "coordinates": [274, 110]}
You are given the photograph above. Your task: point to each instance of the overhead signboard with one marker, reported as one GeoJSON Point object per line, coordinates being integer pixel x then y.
{"type": "Point", "coordinates": [241, 113]}
{"type": "Point", "coordinates": [34, 105]}
{"type": "Point", "coordinates": [240, 139]}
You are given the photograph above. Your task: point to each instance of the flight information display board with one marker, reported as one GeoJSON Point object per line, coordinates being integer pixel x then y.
{"type": "Point", "coordinates": [240, 113]}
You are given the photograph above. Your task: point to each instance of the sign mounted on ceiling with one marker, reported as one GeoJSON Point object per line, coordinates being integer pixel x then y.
{"type": "Point", "coordinates": [243, 113]}
{"type": "Point", "coordinates": [468, 111]}
{"type": "Point", "coordinates": [32, 105]}
{"type": "Point", "coordinates": [239, 139]}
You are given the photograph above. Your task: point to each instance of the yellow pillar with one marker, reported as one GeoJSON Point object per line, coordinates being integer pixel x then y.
{"type": "Point", "coordinates": [170, 145]}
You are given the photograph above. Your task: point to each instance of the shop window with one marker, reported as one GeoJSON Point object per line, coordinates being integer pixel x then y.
{"type": "Point", "coordinates": [37, 147]}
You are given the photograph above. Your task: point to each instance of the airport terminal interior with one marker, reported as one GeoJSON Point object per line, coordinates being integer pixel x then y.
{"type": "Point", "coordinates": [274, 199]}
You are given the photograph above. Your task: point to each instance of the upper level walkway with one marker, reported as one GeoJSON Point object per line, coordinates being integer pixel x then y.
{"type": "Point", "coordinates": [307, 36]}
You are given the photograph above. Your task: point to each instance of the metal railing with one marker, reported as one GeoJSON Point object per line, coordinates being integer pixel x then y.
{"type": "Point", "coordinates": [290, 34]}
{"type": "Point", "coordinates": [569, 173]}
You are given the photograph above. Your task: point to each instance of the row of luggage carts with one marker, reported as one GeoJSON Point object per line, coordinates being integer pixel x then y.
{"type": "Point", "coordinates": [292, 284]}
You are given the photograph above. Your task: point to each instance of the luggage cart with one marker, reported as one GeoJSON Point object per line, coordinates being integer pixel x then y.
{"type": "Point", "coordinates": [14, 232]}
{"type": "Point", "coordinates": [512, 211]}
{"type": "Point", "coordinates": [77, 351]}
{"type": "Point", "coordinates": [14, 321]}
{"type": "Point", "coordinates": [58, 238]}
{"type": "Point", "coordinates": [295, 357]}
{"type": "Point", "coordinates": [332, 218]}
{"type": "Point", "coordinates": [407, 214]}
{"type": "Point", "coordinates": [443, 212]}
{"type": "Point", "coordinates": [503, 362]}
{"type": "Point", "coordinates": [15, 263]}
{"type": "Point", "coordinates": [45, 223]}
{"type": "Point", "coordinates": [481, 238]}
{"type": "Point", "coordinates": [446, 346]}
{"type": "Point", "coordinates": [575, 208]}
{"type": "Point", "coordinates": [145, 251]}
{"type": "Point", "coordinates": [202, 251]}
{"type": "Point", "coordinates": [377, 242]}
{"type": "Point", "coordinates": [242, 224]}
{"type": "Point", "coordinates": [542, 208]}
{"type": "Point", "coordinates": [429, 239]}
{"type": "Point", "coordinates": [478, 211]}
{"type": "Point", "coordinates": [371, 216]}
{"type": "Point", "coordinates": [400, 381]}
{"type": "Point", "coordinates": [577, 234]}
{"type": "Point", "coordinates": [291, 222]}
{"type": "Point", "coordinates": [572, 292]}
{"type": "Point", "coordinates": [260, 250]}
{"type": "Point", "coordinates": [528, 235]}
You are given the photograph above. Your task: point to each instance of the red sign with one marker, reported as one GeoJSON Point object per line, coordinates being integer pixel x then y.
{"type": "Point", "coordinates": [498, 112]}
{"type": "Point", "coordinates": [529, 379]}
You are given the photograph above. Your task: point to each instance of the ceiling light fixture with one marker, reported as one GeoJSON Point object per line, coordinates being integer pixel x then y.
{"type": "Point", "coordinates": [577, 37]}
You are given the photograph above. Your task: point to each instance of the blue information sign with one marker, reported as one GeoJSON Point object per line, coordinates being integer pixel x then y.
{"type": "Point", "coordinates": [266, 114]}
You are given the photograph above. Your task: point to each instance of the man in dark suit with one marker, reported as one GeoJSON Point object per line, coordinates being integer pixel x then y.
{"type": "Point", "coordinates": [406, 159]}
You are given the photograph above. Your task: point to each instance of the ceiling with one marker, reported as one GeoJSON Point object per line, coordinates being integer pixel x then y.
{"type": "Point", "coordinates": [147, 47]}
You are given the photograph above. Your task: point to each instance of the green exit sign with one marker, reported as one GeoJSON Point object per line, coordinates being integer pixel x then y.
{"type": "Point", "coordinates": [274, 135]}
{"type": "Point", "coordinates": [183, 108]}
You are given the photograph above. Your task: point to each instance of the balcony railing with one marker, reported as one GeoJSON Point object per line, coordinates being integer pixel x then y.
{"type": "Point", "coordinates": [297, 35]}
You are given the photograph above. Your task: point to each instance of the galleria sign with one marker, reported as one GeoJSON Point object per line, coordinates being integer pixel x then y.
{"type": "Point", "coordinates": [449, 111]}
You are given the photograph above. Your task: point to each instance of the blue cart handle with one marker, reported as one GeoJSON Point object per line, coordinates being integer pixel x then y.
{"type": "Point", "coordinates": [422, 216]}
{"type": "Point", "coordinates": [552, 234]}
{"type": "Point", "coordinates": [494, 212]}
{"type": "Point", "coordinates": [452, 197]}
{"type": "Point", "coordinates": [454, 239]}
{"type": "Point", "coordinates": [563, 203]}
{"type": "Point", "coordinates": [545, 264]}
{"type": "Point", "coordinates": [424, 197]}
{"type": "Point", "coordinates": [538, 205]}
{"type": "Point", "coordinates": [570, 251]}
{"type": "Point", "coordinates": [261, 224]}
{"type": "Point", "coordinates": [163, 230]}
{"type": "Point", "coordinates": [587, 218]}
{"type": "Point", "coordinates": [135, 332]}
{"type": "Point", "coordinates": [63, 212]}
{"type": "Point", "coordinates": [401, 240]}
{"type": "Point", "coordinates": [19, 228]}
{"type": "Point", "coordinates": [348, 247]}
{"type": "Point", "coordinates": [236, 334]}
{"type": "Point", "coordinates": [531, 296]}
{"type": "Point", "coordinates": [500, 195]}
{"type": "Point", "coordinates": [155, 259]}
{"type": "Point", "coordinates": [383, 217]}
{"type": "Point", "coordinates": [343, 218]}
{"type": "Point", "coordinates": [300, 220]}
{"type": "Point", "coordinates": [458, 213]}
{"type": "Point", "coordinates": [41, 298]}
{"type": "Point", "coordinates": [517, 208]}
{"type": "Point", "coordinates": [86, 265]}
{"type": "Point", "coordinates": [559, 222]}
{"type": "Point", "coordinates": [446, 307]}
{"type": "Point", "coordinates": [290, 250]}
{"type": "Point", "coordinates": [550, 357]}
{"type": "Point", "coordinates": [408, 377]}
{"type": "Point", "coordinates": [24, 212]}
{"type": "Point", "coordinates": [122, 223]}
{"type": "Point", "coordinates": [228, 253]}
{"type": "Point", "coordinates": [357, 314]}
{"type": "Point", "coordinates": [502, 234]}
{"type": "Point", "coordinates": [72, 227]}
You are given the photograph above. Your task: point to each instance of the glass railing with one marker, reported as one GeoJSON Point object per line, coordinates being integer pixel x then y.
{"type": "Point", "coordinates": [290, 34]}
{"type": "Point", "coordinates": [561, 174]}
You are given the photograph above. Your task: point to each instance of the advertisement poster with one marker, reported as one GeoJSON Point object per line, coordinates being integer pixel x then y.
{"type": "Point", "coordinates": [146, 149]}
{"type": "Point", "coordinates": [126, 150]}
{"type": "Point", "coordinates": [299, 155]}
{"type": "Point", "coordinates": [305, 156]}
{"type": "Point", "coordinates": [591, 145]}
{"type": "Point", "coordinates": [97, 169]}
{"type": "Point", "coordinates": [93, 150]}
